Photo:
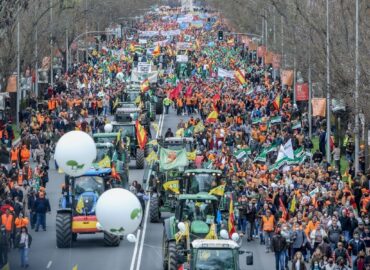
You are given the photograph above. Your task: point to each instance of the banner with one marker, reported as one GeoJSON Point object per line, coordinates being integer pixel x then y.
{"type": "Point", "coordinates": [170, 33]}
{"type": "Point", "coordinates": [319, 107]}
{"type": "Point", "coordinates": [11, 85]}
{"type": "Point", "coordinates": [148, 33]}
{"type": "Point", "coordinates": [182, 58]}
{"type": "Point", "coordinates": [183, 46]}
{"type": "Point", "coordinates": [269, 58]}
{"type": "Point", "coordinates": [139, 77]}
{"type": "Point", "coordinates": [276, 60]}
{"type": "Point", "coordinates": [171, 159]}
{"type": "Point", "coordinates": [252, 46]}
{"type": "Point", "coordinates": [301, 91]}
{"type": "Point", "coordinates": [287, 77]}
{"type": "Point", "coordinates": [144, 67]}
{"type": "Point", "coordinates": [45, 63]}
{"type": "Point", "coordinates": [223, 73]}
{"type": "Point", "coordinates": [261, 51]}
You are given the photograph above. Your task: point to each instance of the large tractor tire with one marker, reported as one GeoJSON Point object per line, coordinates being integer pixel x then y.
{"type": "Point", "coordinates": [159, 106]}
{"type": "Point", "coordinates": [64, 230]}
{"type": "Point", "coordinates": [111, 240]}
{"type": "Point", "coordinates": [154, 213]}
{"type": "Point", "coordinates": [139, 159]}
{"type": "Point", "coordinates": [172, 263]}
{"type": "Point", "coordinates": [147, 150]}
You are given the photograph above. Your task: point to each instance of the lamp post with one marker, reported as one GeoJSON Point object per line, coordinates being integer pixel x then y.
{"type": "Point", "coordinates": [328, 130]}
{"type": "Point", "coordinates": [356, 131]}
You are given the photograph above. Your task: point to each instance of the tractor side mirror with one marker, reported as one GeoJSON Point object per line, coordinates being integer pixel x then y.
{"type": "Point", "coordinates": [249, 258]}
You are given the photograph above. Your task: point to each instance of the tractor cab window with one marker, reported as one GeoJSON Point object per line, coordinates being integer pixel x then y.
{"type": "Point", "coordinates": [201, 182]}
{"type": "Point", "coordinates": [101, 152]}
{"type": "Point", "coordinates": [104, 139]}
{"type": "Point", "coordinates": [214, 259]}
{"type": "Point", "coordinates": [199, 210]}
{"type": "Point", "coordinates": [127, 130]}
{"type": "Point", "coordinates": [89, 184]}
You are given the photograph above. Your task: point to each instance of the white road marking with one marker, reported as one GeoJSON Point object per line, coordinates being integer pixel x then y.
{"type": "Point", "coordinates": [135, 250]}
{"type": "Point", "coordinates": [160, 126]}
{"type": "Point", "coordinates": [49, 264]}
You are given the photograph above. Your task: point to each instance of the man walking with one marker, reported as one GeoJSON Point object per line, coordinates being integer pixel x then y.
{"type": "Point", "coordinates": [41, 206]}
{"type": "Point", "coordinates": [279, 246]}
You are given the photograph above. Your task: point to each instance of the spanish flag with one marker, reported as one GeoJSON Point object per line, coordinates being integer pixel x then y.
{"type": "Point", "coordinates": [141, 135]}
{"type": "Point", "coordinates": [231, 221]}
{"type": "Point", "coordinates": [277, 102]}
{"type": "Point", "coordinates": [157, 51]}
{"type": "Point", "coordinates": [239, 76]}
{"type": "Point", "coordinates": [145, 85]}
{"type": "Point", "coordinates": [218, 191]}
{"type": "Point", "coordinates": [212, 117]}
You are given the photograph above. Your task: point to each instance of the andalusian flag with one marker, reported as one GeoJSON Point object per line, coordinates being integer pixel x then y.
{"type": "Point", "coordinates": [172, 186]}
{"type": "Point", "coordinates": [212, 232]}
{"type": "Point", "coordinates": [191, 155]}
{"type": "Point", "coordinates": [104, 163]}
{"type": "Point", "coordinates": [231, 221]}
{"type": "Point", "coordinates": [239, 76]}
{"type": "Point", "coordinates": [141, 135]}
{"type": "Point", "coordinates": [145, 85]}
{"type": "Point", "coordinates": [80, 205]}
{"type": "Point", "coordinates": [152, 157]}
{"type": "Point", "coordinates": [116, 102]}
{"type": "Point", "coordinates": [156, 51]}
{"type": "Point", "coordinates": [218, 191]}
{"type": "Point", "coordinates": [212, 117]}
{"type": "Point", "coordinates": [277, 102]}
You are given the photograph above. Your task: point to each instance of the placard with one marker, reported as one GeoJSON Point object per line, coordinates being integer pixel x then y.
{"type": "Point", "coordinates": [182, 58]}
{"type": "Point", "coordinates": [144, 67]}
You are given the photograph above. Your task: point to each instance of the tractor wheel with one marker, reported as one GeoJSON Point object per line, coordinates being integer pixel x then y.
{"type": "Point", "coordinates": [139, 159]}
{"type": "Point", "coordinates": [111, 240]}
{"type": "Point", "coordinates": [147, 150]}
{"type": "Point", "coordinates": [159, 106]}
{"type": "Point", "coordinates": [172, 256]}
{"type": "Point", "coordinates": [154, 210]}
{"type": "Point", "coordinates": [64, 230]}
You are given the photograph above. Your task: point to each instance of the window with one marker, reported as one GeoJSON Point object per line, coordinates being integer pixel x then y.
{"type": "Point", "coordinates": [214, 259]}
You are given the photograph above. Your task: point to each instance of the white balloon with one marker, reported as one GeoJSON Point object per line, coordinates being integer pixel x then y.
{"type": "Point", "coordinates": [99, 226]}
{"type": "Point", "coordinates": [108, 128]}
{"type": "Point", "coordinates": [224, 234]}
{"type": "Point", "coordinates": [131, 238]}
{"type": "Point", "coordinates": [235, 237]}
{"type": "Point", "coordinates": [181, 226]}
{"type": "Point", "coordinates": [75, 152]}
{"type": "Point", "coordinates": [119, 211]}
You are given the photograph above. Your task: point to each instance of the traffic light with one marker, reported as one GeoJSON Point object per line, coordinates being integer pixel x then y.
{"type": "Point", "coordinates": [220, 35]}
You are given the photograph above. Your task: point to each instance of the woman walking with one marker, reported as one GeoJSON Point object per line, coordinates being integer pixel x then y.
{"type": "Point", "coordinates": [23, 241]}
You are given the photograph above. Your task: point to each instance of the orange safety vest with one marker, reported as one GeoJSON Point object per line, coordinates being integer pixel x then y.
{"type": "Point", "coordinates": [21, 222]}
{"type": "Point", "coordinates": [7, 221]}
{"type": "Point", "coordinates": [268, 223]}
{"type": "Point", "coordinates": [28, 173]}
{"type": "Point", "coordinates": [25, 154]}
{"type": "Point", "coordinates": [14, 154]}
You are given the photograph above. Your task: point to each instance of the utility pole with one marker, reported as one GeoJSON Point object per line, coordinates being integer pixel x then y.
{"type": "Point", "coordinates": [328, 130]}
{"type": "Point", "coordinates": [282, 41]}
{"type": "Point", "coordinates": [18, 69]}
{"type": "Point", "coordinates": [294, 74]}
{"type": "Point", "coordinates": [309, 89]}
{"type": "Point", "coordinates": [67, 51]}
{"type": "Point", "coordinates": [357, 126]}
{"type": "Point", "coordinates": [51, 45]}
{"type": "Point", "coordinates": [36, 62]}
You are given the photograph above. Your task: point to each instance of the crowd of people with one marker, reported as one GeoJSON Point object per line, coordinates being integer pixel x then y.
{"type": "Point", "coordinates": [305, 210]}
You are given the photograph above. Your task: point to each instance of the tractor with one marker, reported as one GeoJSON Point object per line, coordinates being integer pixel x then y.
{"type": "Point", "coordinates": [127, 113]}
{"type": "Point", "coordinates": [199, 211]}
{"type": "Point", "coordinates": [76, 213]}
{"type": "Point", "coordinates": [209, 254]}
{"type": "Point", "coordinates": [149, 104]}
{"type": "Point", "coordinates": [200, 180]}
{"type": "Point", "coordinates": [128, 132]}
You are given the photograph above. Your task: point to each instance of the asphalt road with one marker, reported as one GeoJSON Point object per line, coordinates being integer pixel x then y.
{"type": "Point", "coordinates": [89, 252]}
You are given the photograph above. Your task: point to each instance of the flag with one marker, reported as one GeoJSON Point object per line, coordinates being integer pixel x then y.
{"type": "Point", "coordinates": [151, 157]}
{"type": "Point", "coordinates": [179, 235]}
{"type": "Point", "coordinates": [75, 267]}
{"type": "Point", "coordinates": [208, 165]}
{"type": "Point", "coordinates": [156, 51]}
{"type": "Point", "coordinates": [262, 157]}
{"type": "Point", "coordinates": [80, 205]}
{"type": "Point", "coordinates": [231, 221]}
{"type": "Point", "coordinates": [118, 138]}
{"type": "Point", "coordinates": [283, 210]}
{"type": "Point", "coordinates": [189, 91]}
{"type": "Point", "coordinates": [277, 102]}
{"type": "Point", "coordinates": [132, 47]}
{"type": "Point", "coordinates": [242, 153]}
{"type": "Point", "coordinates": [218, 191]}
{"type": "Point", "coordinates": [191, 155]}
{"type": "Point", "coordinates": [171, 159]}
{"type": "Point", "coordinates": [212, 117]}
{"type": "Point", "coordinates": [256, 121]}
{"type": "Point", "coordinates": [271, 148]}
{"type": "Point", "coordinates": [145, 85]}
{"type": "Point", "coordinates": [189, 131]}
{"type": "Point", "coordinates": [297, 125]}
{"type": "Point", "coordinates": [104, 163]}
{"type": "Point", "coordinates": [219, 217]}
{"type": "Point", "coordinates": [288, 149]}
{"type": "Point", "coordinates": [212, 232]}
{"type": "Point", "coordinates": [181, 267]}
{"type": "Point", "coordinates": [239, 76]}
{"type": "Point", "coordinates": [298, 152]}
{"type": "Point", "coordinates": [199, 127]}
{"type": "Point", "coordinates": [293, 204]}
{"type": "Point", "coordinates": [180, 132]}
{"type": "Point", "coordinates": [275, 120]}
{"type": "Point", "coordinates": [216, 98]}
{"type": "Point", "coordinates": [174, 94]}
{"type": "Point", "coordinates": [172, 186]}
{"type": "Point", "coordinates": [116, 102]}
{"type": "Point", "coordinates": [141, 135]}
{"type": "Point", "coordinates": [155, 126]}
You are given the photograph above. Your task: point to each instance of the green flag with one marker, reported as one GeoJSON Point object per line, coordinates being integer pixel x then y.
{"type": "Point", "coordinates": [208, 165]}
{"type": "Point", "coordinates": [242, 153]}
{"type": "Point", "coordinates": [256, 121]}
{"type": "Point", "coordinates": [262, 157]}
{"type": "Point", "coordinates": [297, 125]}
{"type": "Point", "coordinates": [275, 120]}
{"type": "Point", "coordinates": [271, 148]}
{"type": "Point", "coordinates": [171, 159]}
{"type": "Point", "coordinates": [189, 131]}
{"type": "Point", "coordinates": [298, 152]}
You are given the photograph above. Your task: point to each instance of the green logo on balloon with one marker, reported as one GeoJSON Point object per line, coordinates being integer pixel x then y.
{"type": "Point", "coordinates": [120, 230]}
{"type": "Point", "coordinates": [74, 165]}
{"type": "Point", "coordinates": [136, 213]}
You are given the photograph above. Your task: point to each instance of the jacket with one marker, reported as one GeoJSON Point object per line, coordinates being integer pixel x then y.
{"type": "Point", "coordinates": [302, 265]}
{"type": "Point", "coordinates": [299, 239]}
{"type": "Point", "coordinates": [18, 240]}
{"type": "Point", "coordinates": [41, 206]}
{"type": "Point", "coordinates": [278, 243]}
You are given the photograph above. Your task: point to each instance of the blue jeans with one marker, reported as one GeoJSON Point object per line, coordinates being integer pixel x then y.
{"type": "Point", "coordinates": [242, 224]}
{"type": "Point", "coordinates": [24, 256]}
{"type": "Point", "coordinates": [40, 220]}
{"type": "Point", "coordinates": [280, 260]}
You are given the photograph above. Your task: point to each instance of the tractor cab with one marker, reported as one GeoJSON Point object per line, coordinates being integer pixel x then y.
{"type": "Point", "coordinates": [127, 114]}
{"type": "Point", "coordinates": [177, 143]}
{"type": "Point", "coordinates": [200, 180]}
{"type": "Point", "coordinates": [105, 137]}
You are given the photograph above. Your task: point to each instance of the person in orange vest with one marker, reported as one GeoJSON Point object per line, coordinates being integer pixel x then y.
{"type": "Point", "coordinates": [14, 155]}
{"type": "Point", "coordinates": [268, 225]}
{"type": "Point", "coordinates": [25, 154]}
{"type": "Point", "coordinates": [20, 222]}
{"type": "Point", "coordinates": [7, 220]}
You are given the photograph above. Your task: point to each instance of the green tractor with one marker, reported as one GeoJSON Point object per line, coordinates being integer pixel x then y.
{"type": "Point", "coordinates": [216, 254]}
{"type": "Point", "coordinates": [199, 211]}
{"type": "Point", "coordinates": [128, 132]}
{"type": "Point", "coordinates": [135, 95]}
{"type": "Point", "coordinates": [200, 180]}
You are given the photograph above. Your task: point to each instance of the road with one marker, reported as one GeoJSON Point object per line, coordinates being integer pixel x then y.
{"type": "Point", "coordinates": [89, 253]}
